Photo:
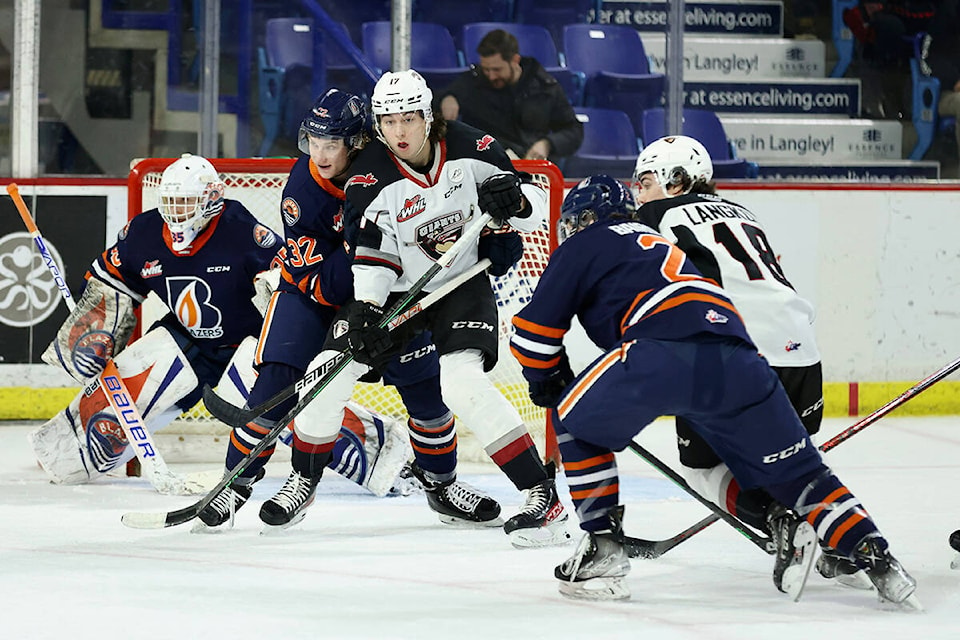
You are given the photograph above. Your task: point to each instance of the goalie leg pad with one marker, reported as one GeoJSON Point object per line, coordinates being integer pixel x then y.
{"type": "Point", "coordinates": [370, 450]}
{"type": "Point", "coordinates": [95, 330]}
{"type": "Point", "coordinates": [157, 375]}
{"type": "Point", "coordinates": [237, 380]}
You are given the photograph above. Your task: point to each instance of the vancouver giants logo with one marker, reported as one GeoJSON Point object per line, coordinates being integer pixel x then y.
{"type": "Point", "coordinates": [412, 207]}
{"type": "Point", "coordinates": [189, 297]}
{"type": "Point", "coordinates": [484, 143]}
{"type": "Point", "coordinates": [437, 236]}
{"type": "Point", "coordinates": [366, 180]}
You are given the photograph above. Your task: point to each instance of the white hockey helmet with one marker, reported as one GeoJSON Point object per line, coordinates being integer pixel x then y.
{"type": "Point", "coordinates": [401, 92]}
{"type": "Point", "coordinates": [191, 194]}
{"type": "Point", "coordinates": [673, 158]}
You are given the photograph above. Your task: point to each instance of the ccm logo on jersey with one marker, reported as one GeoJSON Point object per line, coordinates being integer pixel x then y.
{"type": "Point", "coordinates": [220, 268]}
{"type": "Point", "coordinates": [366, 180]}
{"type": "Point", "coordinates": [786, 453]}
{"type": "Point", "coordinates": [472, 324]}
{"type": "Point", "coordinates": [412, 207]}
{"type": "Point", "coordinates": [484, 143]}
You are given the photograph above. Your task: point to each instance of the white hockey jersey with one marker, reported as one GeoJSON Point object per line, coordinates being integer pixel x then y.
{"type": "Point", "coordinates": [411, 218]}
{"type": "Point", "coordinates": [727, 243]}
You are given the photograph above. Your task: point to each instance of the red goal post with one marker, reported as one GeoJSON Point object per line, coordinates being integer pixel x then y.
{"type": "Point", "coordinates": [258, 184]}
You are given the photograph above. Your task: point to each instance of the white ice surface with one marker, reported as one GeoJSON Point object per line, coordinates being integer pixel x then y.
{"type": "Point", "coordinates": [361, 567]}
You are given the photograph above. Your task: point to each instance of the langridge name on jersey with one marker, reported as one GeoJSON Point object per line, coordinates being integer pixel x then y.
{"type": "Point", "coordinates": [705, 213]}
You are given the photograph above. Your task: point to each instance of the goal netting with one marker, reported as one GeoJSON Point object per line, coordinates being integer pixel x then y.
{"type": "Point", "coordinates": [258, 184]}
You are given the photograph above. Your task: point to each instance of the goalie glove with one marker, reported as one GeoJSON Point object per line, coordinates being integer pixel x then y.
{"type": "Point", "coordinates": [370, 343]}
{"type": "Point", "coordinates": [503, 248]}
{"type": "Point", "coordinates": [546, 393]}
{"type": "Point", "coordinates": [500, 196]}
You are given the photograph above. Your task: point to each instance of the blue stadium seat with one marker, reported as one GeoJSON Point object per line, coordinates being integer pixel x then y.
{"type": "Point", "coordinates": [466, 11]}
{"type": "Point", "coordinates": [609, 145]}
{"type": "Point", "coordinates": [354, 13]}
{"type": "Point", "coordinates": [284, 74]}
{"type": "Point", "coordinates": [556, 14]}
{"type": "Point", "coordinates": [706, 127]}
{"type": "Point", "coordinates": [535, 41]}
{"type": "Point", "coordinates": [432, 52]}
{"type": "Point", "coordinates": [616, 67]}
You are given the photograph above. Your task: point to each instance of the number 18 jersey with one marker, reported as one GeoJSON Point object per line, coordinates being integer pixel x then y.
{"type": "Point", "coordinates": [729, 245]}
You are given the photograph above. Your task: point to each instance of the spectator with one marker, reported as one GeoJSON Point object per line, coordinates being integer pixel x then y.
{"type": "Point", "coordinates": [943, 59]}
{"type": "Point", "coordinates": [516, 100]}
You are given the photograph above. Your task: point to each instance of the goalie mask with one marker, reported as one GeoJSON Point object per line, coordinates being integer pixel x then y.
{"type": "Point", "coordinates": [335, 115]}
{"type": "Point", "coordinates": [594, 199]}
{"type": "Point", "coordinates": [402, 92]}
{"type": "Point", "coordinates": [191, 194]}
{"type": "Point", "coordinates": [675, 160]}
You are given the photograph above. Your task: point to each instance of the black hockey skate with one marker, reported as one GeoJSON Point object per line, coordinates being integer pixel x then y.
{"type": "Point", "coordinates": [542, 521]}
{"type": "Point", "coordinates": [796, 548]}
{"type": "Point", "coordinates": [289, 506]}
{"type": "Point", "coordinates": [225, 504]}
{"type": "Point", "coordinates": [597, 569]}
{"type": "Point", "coordinates": [892, 581]}
{"type": "Point", "coordinates": [955, 545]}
{"type": "Point", "coordinates": [458, 503]}
{"type": "Point", "coordinates": [833, 566]}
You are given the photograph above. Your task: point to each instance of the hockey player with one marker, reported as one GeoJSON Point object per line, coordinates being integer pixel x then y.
{"type": "Point", "coordinates": [316, 279]}
{"type": "Point", "coordinates": [199, 252]}
{"type": "Point", "coordinates": [417, 191]}
{"type": "Point", "coordinates": [728, 244]}
{"type": "Point", "coordinates": [674, 345]}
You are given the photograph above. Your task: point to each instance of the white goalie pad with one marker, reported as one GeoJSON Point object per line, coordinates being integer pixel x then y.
{"type": "Point", "coordinates": [237, 380]}
{"type": "Point", "coordinates": [85, 440]}
{"type": "Point", "coordinates": [371, 450]}
{"type": "Point", "coordinates": [95, 330]}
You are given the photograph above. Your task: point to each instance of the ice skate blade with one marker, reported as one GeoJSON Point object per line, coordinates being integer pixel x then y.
{"type": "Point", "coordinates": [275, 529]}
{"type": "Point", "coordinates": [910, 604]}
{"type": "Point", "coordinates": [461, 523]}
{"type": "Point", "coordinates": [612, 588]}
{"type": "Point", "coordinates": [956, 562]}
{"type": "Point", "coordinates": [795, 576]}
{"type": "Point", "coordinates": [554, 534]}
{"type": "Point", "coordinates": [858, 580]}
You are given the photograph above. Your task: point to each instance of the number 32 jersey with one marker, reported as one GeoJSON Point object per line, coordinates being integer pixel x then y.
{"type": "Point", "coordinates": [728, 244]}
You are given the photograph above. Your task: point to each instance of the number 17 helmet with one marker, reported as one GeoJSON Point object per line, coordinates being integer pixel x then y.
{"type": "Point", "coordinates": [675, 160]}
{"type": "Point", "coordinates": [191, 194]}
{"type": "Point", "coordinates": [594, 199]}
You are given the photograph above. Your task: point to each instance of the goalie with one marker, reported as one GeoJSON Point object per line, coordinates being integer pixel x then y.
{"type": "Point", "coordinates": [200, 254]}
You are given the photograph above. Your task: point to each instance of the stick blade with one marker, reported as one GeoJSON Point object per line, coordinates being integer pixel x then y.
{"type": "Point", "coordinates": [143, 520]}
{"type": "Point", "coordinates": [222, 410]}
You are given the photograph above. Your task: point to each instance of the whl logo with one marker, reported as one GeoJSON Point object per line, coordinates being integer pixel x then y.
{"type": "Point", "coordinates": [412, 207]}
{"type": "Point", "coordinates": [151, 269]}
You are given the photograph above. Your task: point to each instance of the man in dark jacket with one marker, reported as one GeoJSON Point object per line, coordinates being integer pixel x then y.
{"type": "Point", "coordinates": [515, 100]}
{"type": "Point", "coordinates": [944, 59]}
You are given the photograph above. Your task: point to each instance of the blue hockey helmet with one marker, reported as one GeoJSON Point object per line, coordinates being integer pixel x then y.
{"type": "Point", "coordinates": [593, 199]}
{"type": "Point", "coordinates": [335, 114]}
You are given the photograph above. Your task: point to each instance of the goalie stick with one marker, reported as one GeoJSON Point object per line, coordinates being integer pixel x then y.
{"type": "Point", "coordinates": [844, 435]}
{"type": "Point", "coordinates": [111, 383]}
{"type": "Point", "coordinates": [327, 371]}
{"type": "Point", "coordinates": [402, 310]}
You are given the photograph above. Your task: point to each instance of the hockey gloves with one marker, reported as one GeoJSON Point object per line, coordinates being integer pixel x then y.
{"type": "Point", "coordinates": [546, 393]}
{"type": "Point", "coordinates": [500, 196]}
{"type": "Point", "coordinates": [504, 248]}
{"type": "Point", "coordinates": [370, 343]}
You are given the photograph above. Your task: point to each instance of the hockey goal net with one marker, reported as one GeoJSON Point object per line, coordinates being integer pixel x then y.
{"type": "Point", "coordinates": [258, 184]}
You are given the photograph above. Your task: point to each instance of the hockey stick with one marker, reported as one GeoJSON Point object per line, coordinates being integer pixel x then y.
{"type": "Point", "coordinates": [912, 392]}
{"type": "Point", "coordinates": [58, 278]}
{"type": "Point", "coordinates": [761, 541]}
{"type": "Point", "coordinates": [116, 392]}
{"type": "Point", "coordinates": [401, 311]}
{"type": "Point", "coordinates": [844, 435]}
{"type": "Point", "coordinates": [140, 520]}
{"type": "Point", "coordinates": [650, 549]}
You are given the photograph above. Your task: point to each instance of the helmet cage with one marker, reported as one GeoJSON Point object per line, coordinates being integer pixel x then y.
{"type": "Point", "coordinates": [191, 194]}
{"type": "Point", "coordinates": [594, 199]}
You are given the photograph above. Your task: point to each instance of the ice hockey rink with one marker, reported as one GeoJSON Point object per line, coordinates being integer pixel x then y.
{"type": "Point", "coordinates": [362, 567]}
